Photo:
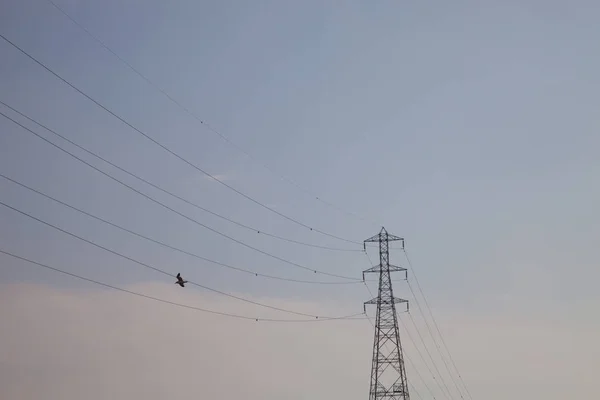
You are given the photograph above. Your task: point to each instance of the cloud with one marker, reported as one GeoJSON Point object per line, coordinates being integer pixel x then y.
{"type": "Point", "coordinates": [68, 344]}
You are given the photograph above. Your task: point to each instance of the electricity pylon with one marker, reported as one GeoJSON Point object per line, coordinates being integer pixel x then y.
{"type": "Point", "coordinates": [387, 383]}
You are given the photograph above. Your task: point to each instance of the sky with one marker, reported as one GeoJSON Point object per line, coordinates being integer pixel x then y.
{"type": "Point", "coordinates": [465, 128]}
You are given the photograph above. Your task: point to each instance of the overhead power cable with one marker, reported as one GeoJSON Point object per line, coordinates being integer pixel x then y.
{"type": "Point", "coordinates": [237, 316]}
{"type": "Point", "coordinates": [255, 230]}
{"type": "Point", "coordinates": [437, 327]}
{"type": "Point", "coordinates": [430, 357]}
{"type": "Point", "coordinates": [145, 265]}
{"type": "Point", "coordinates": [167, 245]}
{"type": "Point", "coordinates": [175, 211]}
{"type": "Point", "coordinates": [291, 219]}
{"type": "Point", "coordinates": [434, 341]}
{"type": "Point", "coordinates": [205, 124]}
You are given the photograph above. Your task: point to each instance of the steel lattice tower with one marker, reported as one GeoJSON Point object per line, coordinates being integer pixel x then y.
{"type": "Point", "coordinates": [388, 375]}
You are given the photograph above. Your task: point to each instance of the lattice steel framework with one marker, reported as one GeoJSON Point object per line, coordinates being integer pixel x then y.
{"type": "Point", "coordinates": [388, 375]}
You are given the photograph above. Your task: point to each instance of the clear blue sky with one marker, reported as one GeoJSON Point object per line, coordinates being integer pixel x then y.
{"type": "Point", "coordinates": [470, 129]}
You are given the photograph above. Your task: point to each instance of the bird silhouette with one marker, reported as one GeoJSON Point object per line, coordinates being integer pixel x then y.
{"type": "Point", "coordinates": [180, 280]}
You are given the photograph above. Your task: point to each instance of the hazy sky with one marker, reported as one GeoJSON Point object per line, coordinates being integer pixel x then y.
{"type": "Point", "coordinates": [469, 128]}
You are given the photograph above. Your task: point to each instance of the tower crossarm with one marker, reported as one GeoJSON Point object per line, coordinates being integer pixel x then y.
{"type": "Point", "coordinates": [392, 268]}
{"type": "Point", "coordinates": [378, 301]}
{"type": "Point", "coordinates": [382, 236]}
{"type": "Point", "coordinates": [395, 300]}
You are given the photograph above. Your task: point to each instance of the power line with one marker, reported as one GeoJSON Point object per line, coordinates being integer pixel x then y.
{"type": "Point", "coordinates": [430, 357]}
{"type": "Point", "coordinates": [349, 317]}
{"type": "Point", "coordinates": [435, 342]}
{"type": "Point", "coordinates": [171, 151]}
{"type": "Point", "coordinates": [281, 176]}
{"type": "Point", "coordinates": [414, 342]}
{"type": "Point", "coordinates": [413, 389]}
{"type": "Point", "coordinates": [255, 230]}
{"type": "Point", "coordinates": [155, 268]}
{"type": "Point", "coordinates": [175, 211]}
{"type": "Point", "coordinates": [204, 123]}
{"type": "Point", "coordinates": [164, 244]}
{"type": "Point", "coordinates": [436, 325]}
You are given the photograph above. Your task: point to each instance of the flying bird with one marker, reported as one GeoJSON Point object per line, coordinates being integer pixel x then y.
{"type": "Point", "coordinates": [180, 280]}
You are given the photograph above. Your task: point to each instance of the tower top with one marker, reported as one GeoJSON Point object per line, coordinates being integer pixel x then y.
{"type": "Point", "coordinates": [383, 236]}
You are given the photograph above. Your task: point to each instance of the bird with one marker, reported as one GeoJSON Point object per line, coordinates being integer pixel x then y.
{"type": "Point", "coordinates": [180, 280]}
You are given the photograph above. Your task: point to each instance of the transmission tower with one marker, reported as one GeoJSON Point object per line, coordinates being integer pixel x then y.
{"type": "Point", "coordinates": [388, 375]}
